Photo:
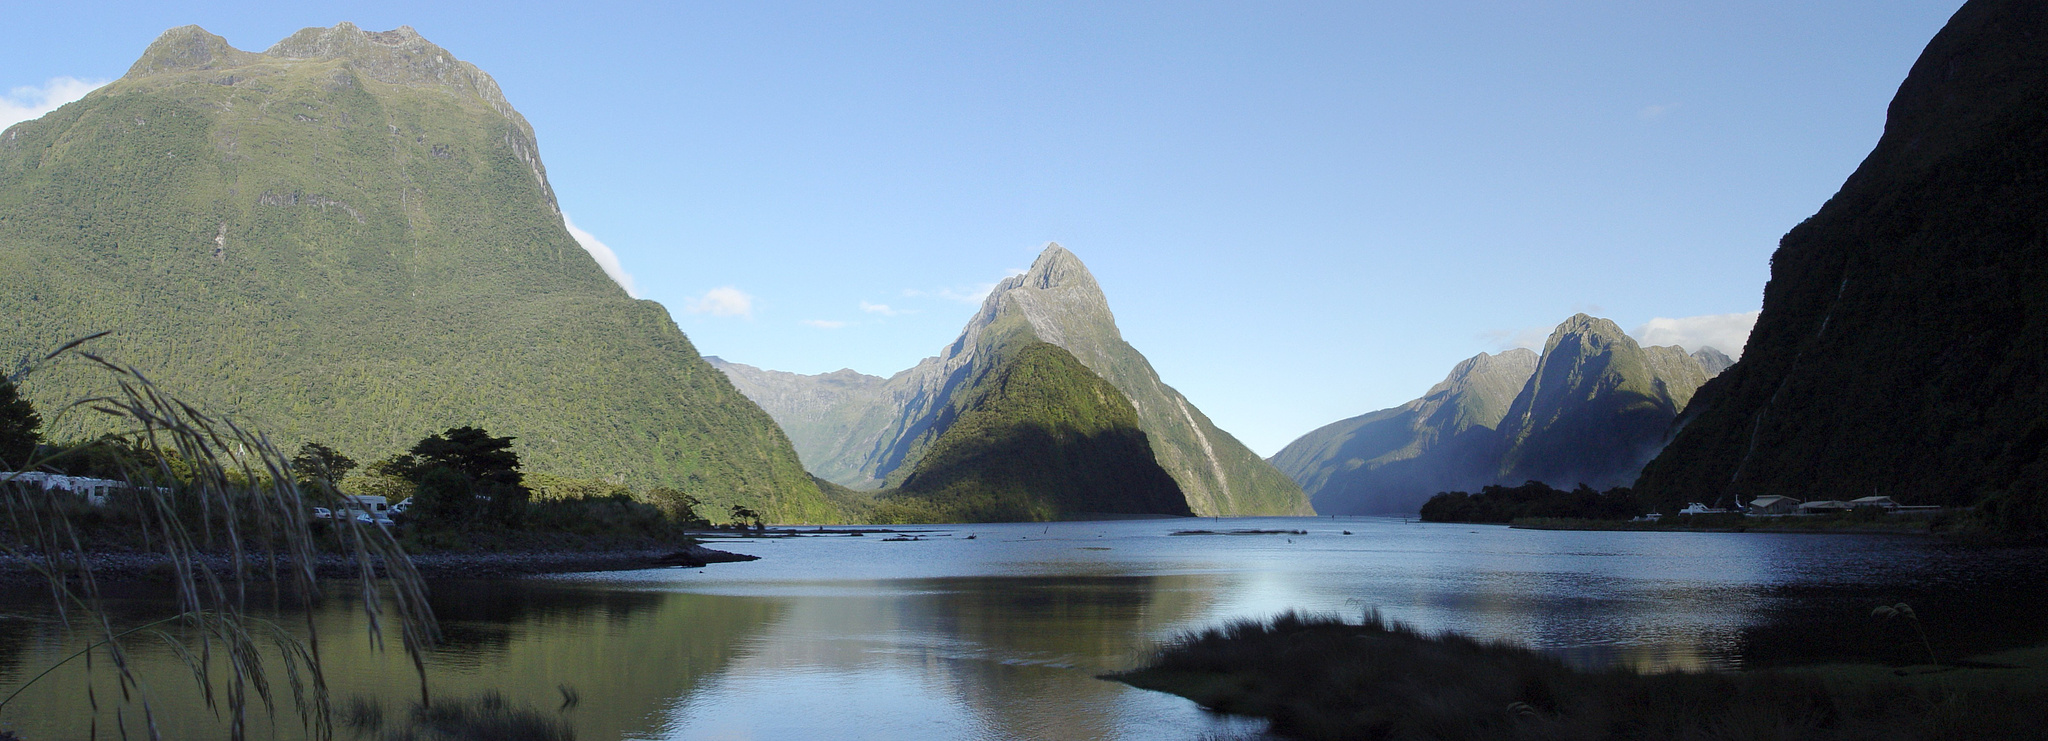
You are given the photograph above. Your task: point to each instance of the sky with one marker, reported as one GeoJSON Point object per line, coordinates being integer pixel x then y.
{"type": "Point", "coordinates": [1300, 212]}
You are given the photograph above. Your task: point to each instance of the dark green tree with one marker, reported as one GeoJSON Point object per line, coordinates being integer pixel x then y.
{"type": "Point", "coordinates": [319, 461]}
{"type": "Point", "coordinates": [444, 498]}
{"type": "Point", "coordinates": [741, 516]}
{"type": "Point", "coordinates": [20, 428]}
{"type": "Point", "coordinates": [486, 465]}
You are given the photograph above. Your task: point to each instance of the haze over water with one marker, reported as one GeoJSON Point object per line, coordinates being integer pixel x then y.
{"type": "Point", "coordinates": [1003, 636]}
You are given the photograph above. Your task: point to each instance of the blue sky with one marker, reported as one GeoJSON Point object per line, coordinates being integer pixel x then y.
{"type": "Point", "coordinates": [1300, 211]}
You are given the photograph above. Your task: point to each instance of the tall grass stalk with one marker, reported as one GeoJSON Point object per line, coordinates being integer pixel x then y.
{"type": "Point", "coordinates": [222, 506]}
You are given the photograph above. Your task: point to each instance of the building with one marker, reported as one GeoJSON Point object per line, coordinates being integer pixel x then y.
{"type": "Point", "coordinates": [1826, 506]}
{"type": "Point", "coordinates": [1884, 502]}
{"type": "Point", "coordinates": [1773, 505]}
{"type": "Point", "coordinates": [94, 490]}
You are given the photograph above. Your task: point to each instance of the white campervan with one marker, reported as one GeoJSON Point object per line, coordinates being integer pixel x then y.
{"type": "Point", "coordinates": [369, 508]}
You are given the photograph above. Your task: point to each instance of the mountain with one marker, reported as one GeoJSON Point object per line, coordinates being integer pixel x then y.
{"type": "Point", "coordinates": [1034, 436]}
{"type": "Point", "coordinates": [815, 411]}
{"type": "Point", "coordinates": [1596, 408]}
{"type": "Point", "coordinates": [1392, 460]}
{"type": "Point", "coordinates": [1712, 361]}
{"type": "Point", "coordinates": [1900, 347]}
{"type": "Point", "coordinates": [1057, 301]}
{"type": "Point", "coordinates": [350, 238]}
{"type": "Point", "coordinates": [1591, 409]}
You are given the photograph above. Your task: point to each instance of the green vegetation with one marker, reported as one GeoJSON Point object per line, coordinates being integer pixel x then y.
{"type": "Point", "coordinates": [1533, 499]}
{"type": "Point", "coordinates": [1322, 678]}
{"type": "Point", "coordinates": [354, 242]}
{"type": "Point", "coordinates": [1899, 351]}
{"type": "Point", "coordinates": [1034, 437]}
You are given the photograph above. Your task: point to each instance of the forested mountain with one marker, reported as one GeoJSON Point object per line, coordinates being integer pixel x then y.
{"type": "Point", "coordinates": [1901, 345]}
{"type": "Point", "coordinates": [874, 438]}
{"type": "Point", "coordinates": [350, 238]}
{"type": "Point", "coordinates": [1596, 409]}
{"type": "Point", "coordinates": [1392, 460]}
{"type": "Point", "coordinates": [1590, 409]}
{"type": "Point", "coordinates": [1033, 436]}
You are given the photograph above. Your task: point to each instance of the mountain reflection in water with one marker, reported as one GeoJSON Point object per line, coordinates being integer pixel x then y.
{"type": "Point", "coordinates": [1002, 636]}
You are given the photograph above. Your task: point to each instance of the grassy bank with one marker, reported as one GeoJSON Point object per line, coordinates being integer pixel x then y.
{"type": "Point", "coordinates": [1322, 678]}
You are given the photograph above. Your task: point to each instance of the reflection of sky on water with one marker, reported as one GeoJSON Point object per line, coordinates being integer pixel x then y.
{"type": "Point", "coordinates": [1002, 636]}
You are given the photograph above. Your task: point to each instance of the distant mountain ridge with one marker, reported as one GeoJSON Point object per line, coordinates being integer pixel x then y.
{"type": "Point", "coordinates": [1900, 346]}
{"type": "Point", "coordinates": [874, 438]}
{"type": "Point", "coordinates": [350, 238]}
{"type": "Point", "coordinates": [1590, 409]}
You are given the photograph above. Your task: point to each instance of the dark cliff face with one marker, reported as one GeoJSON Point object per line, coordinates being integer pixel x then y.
{"type": "Point", "coordinates": [1901, 345]}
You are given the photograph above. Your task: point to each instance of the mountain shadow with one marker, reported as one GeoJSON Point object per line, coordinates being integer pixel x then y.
{"type": "Point", "coordinates": [1899, 350]}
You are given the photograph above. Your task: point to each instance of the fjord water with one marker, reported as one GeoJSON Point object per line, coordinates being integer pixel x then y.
{"type": "Point", "coordinates": [1002, 636]}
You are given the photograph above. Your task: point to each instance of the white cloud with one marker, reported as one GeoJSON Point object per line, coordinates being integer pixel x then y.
{"type": "Point", "coordinates": [824, 323]}
{"type": "Point", "coordinates": [30, 101]}
{"type": "Point", "coordinates": [1509, 339]}
{"type": "Point", "coordinates": [972, 294]}
{"type": "Point", "coordinates": [884, 309]}
{"type": "Point", "coordinates": [603, 255]}
{"type": "Point", "coordinates": [722, 301]}
{"type": "Point", "coordinates": [1654, 112]}
{"type": "Point", "coordinates": [1724, 332]}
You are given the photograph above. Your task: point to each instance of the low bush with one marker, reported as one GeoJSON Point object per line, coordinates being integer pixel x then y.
{"type": "Point", "coordinates": [1323, 678]}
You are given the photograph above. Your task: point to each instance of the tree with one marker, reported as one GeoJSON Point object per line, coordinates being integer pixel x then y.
{"type": "Point", "coordinates": [741, 516]}
{"type": "Point", "coordinates": [473, 453]}
{"type": "Point", "coordinates": [487, 467]}
{"type": "Point", "coordinates": [319, 461]}
{"type": "Point", "coordinates": [19, 428]}
{"type": "Point", "coordinates": [679, 507]}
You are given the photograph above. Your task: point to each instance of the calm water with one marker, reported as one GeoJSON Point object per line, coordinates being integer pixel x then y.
{"type": "Point", "coordinates": [1001, 636]}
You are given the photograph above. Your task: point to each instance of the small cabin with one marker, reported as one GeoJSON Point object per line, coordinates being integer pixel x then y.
{"type": "Point", "coordinates": [1773, 505]}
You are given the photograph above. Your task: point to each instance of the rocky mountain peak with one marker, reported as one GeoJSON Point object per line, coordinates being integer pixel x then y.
{"type": "Point", "coordinates": [188, 48]}
{"type": "Point", "coordinates": [1061, 301]}
{"type": "Point", "coordinates": [399, 57]}
{"type": "Point", "coordinates": [1592, 332]}
{"type": "Point", "coordinates": [1712, 360]}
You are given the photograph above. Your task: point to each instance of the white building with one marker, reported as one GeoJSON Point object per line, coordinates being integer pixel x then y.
{"type": "Point", "coordinates": [94, 490]}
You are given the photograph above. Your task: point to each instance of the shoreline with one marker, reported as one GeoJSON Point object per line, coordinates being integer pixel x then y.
{"type": "Point", "coordinates": [1549, 523]}
{"type": "Point", "coordinates": [122, 566]}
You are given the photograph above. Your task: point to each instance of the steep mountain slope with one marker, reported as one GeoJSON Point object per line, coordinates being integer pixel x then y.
{"type": "Point", "coordinates": [351, 238]}
{"type": "Point", "coordinates": [814, 410]}
{"type": "Point", "coordinates": [1596, 408]}
{"type": "Point", "coordinates": [1056, 301]}
{"type": "Point", "coordinates": [1392, 460]}
{"type": "Point", "coordinates": [1590, 409]}
{"type": "Point", "coordinates": [1034, 436]}
{"type": "Point", "coordinates": [1900, 347]}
